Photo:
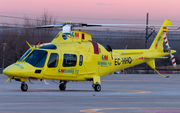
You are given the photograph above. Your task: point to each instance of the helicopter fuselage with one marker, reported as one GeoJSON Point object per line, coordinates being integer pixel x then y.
{"type": "Point", "coordinates": [75, 57]}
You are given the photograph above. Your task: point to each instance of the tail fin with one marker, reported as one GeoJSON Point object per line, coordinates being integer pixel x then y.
{"type": "Point", "coordinates": [157, 44]}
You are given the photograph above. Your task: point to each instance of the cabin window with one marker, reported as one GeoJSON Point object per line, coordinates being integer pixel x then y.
{"type": "Point", "coordinates": [108, 48]}
{"type": "Point", "coordinates": [69, 60]}
{"type": "Point", "coordinates": [80, 60]}
{"type": "Point", "coordinates": [53, 60]}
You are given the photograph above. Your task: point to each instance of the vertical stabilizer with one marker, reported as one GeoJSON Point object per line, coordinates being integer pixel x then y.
{"type": "Point", "coordinates": [157, 44]}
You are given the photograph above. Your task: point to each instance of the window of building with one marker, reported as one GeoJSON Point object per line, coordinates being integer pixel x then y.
{"type": "Point", "coordinates": [69, 60]}
{"type": "Point", "coordinates": [80, 60]}
{"type": "Point", "coordinates": [53, 60]}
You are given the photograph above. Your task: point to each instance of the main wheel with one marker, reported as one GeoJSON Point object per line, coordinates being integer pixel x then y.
{"type": "Point", "coordinates": [97, 87]}
{"type": "Point", "coordinates": [62, 86]}
{"type": "Point", "coordinates": [24, 87]}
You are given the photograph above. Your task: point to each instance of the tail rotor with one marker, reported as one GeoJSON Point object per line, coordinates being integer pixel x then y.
{"type": "Point", "coordinates": [169, 49]}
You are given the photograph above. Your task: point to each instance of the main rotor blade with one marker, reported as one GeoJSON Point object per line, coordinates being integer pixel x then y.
{"type": "Point", "coordinates": [141, 25]}
{"type": "Point", "coordinates": [50, 26]}
{"type": "Point", "coordinates": [87, 25]}
{"type": "Point", "coordinates": [36, 27]}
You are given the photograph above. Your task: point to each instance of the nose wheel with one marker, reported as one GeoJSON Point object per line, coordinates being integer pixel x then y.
{"type": "Point", "coordinates": [24, 87]}
{"type": "Point", "coordinates": [62, 86]}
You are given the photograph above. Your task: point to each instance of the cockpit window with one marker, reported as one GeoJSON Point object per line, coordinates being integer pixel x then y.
{"type": "Point", "coordinates": [25, 54]}
{"type": "Point", "coordinates": [49, 46]}
{"type": "Point", "coordinates": [37, 58]}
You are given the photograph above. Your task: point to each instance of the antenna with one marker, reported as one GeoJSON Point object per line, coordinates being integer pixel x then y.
{"type": "Point", "coordinates": [125, 48]}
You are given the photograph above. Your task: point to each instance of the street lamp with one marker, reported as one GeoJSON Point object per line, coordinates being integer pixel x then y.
{"type": "Point", "coordinates": [4, 46]}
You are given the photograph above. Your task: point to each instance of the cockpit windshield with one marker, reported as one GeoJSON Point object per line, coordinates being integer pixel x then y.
{"type": "Point", "coordinates": [36, 58]}
{"type": "Point", "coordinates": [25, 54]}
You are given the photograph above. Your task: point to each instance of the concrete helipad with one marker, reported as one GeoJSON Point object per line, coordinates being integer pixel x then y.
{"type": "Point", "coordinates": [146, 93]}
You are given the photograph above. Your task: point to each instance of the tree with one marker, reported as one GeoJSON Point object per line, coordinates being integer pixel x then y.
{"type": "Point", "coordinates": [16, 39]}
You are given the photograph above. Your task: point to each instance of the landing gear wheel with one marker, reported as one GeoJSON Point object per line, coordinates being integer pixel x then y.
{"type": "Point", "coordinates": [24, 87]}
{"type": "Point", "coordinates": [62, 86]}
{"type": "Point", "coordinates": [97, 87]}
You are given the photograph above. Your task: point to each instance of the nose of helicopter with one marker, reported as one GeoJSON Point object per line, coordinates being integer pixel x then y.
{"type": "Point", "coordinates": [15, 69]}
{"type": "Point", "coordinates": [12, 70]}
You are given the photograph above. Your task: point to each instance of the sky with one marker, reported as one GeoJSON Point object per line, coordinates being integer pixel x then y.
{"type": "Point", "coordinates": [94, 11]}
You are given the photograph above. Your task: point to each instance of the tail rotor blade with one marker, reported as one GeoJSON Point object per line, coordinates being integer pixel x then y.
{"type": "Point", "coordinates": [169, 49]}
{"type": "Point", "coordinates": [166, 40]}
{"type": "Point", "coordinates": [173, 60]}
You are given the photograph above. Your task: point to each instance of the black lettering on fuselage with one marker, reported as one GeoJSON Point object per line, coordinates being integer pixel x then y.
{"type": "Point", "coordinates": [119, 61]}
{"type": "Point", "coordinates": [115, 62]}
{"type": "Point", "coordinates": [125, 60]}
{"type": "Point", "coordinates": [129, 60]}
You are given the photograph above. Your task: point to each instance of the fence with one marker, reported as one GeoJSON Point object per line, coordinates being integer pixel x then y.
{"type": "Point", "coordinates": [117, 39]}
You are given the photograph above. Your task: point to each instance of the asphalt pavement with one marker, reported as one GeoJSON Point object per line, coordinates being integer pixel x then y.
{"type": "Point", "coordinates": [128, 93]}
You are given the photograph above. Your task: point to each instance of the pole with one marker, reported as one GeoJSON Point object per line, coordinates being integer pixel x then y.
{"type": "Point", "coordinates": [4, 46]}
{"type": "Point", "coordinates": [146, 30]}
{"type": "Point", "coordinates": [146, 66]}
{"type": "Point", "coordinates": [3, 62]}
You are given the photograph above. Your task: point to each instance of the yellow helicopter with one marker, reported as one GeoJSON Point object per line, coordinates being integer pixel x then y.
{"type": "Point", "coordinates": [73, 56]}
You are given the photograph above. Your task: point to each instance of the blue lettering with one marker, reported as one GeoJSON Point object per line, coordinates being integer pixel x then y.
{"type": "Point", "coordinates": [73, 35]}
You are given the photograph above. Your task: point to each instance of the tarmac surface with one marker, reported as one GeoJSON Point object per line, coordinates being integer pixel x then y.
{"type": "Point", "coordinates": [125, 93]}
